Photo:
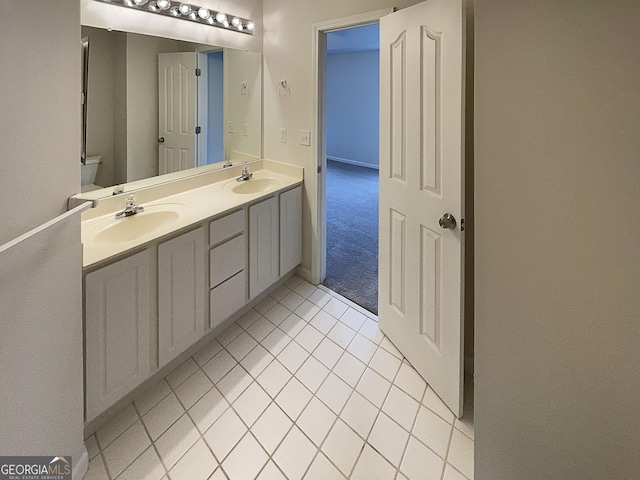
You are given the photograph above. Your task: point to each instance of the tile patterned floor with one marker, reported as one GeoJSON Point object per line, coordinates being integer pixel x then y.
{"type": "Point", "coordinates": [303, 386]}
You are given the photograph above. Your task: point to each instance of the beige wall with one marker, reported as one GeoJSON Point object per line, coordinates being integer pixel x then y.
{"type": "Point", "coordinates": [557, 172]}
{"type": "Point", "coordinates": [288, 28]}
{"type": "Point", "coordinates": [40, 279]}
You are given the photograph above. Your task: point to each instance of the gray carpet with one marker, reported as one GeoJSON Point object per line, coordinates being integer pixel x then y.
{"type": "Point", "coordinates": [352, 233]}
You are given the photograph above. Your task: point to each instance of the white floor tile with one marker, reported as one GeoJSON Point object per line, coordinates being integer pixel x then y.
{"type": "Point", "coordinates": [146, 467]}
{"type": "Point", "coordinates": [372, 466]}
{"type": "Point", "coordinates": [162, 416]}
{"type": "Point", "coordinates": [293, 356]}
{"type": "Point", "coordinates": [433, 403]}
{"type": "Point", "coordinates": [451, 473]}
{"type": "Point", "coordinates": [280, 292]}
{"type": "Point", "coordinates": [265, 305]}
{"type": "Point", "coordinates": [218, 475]}
{"type": "Point", "coordinates": [277, 314]}
{"type": "Point", "coordinates": [353, 319]}
{"type": "Point", "coordinates": [385, 364]}
{"type": "Point", "coordinates": [293, 398]}
{"type": "Point", "coordinates": [316, 421]}
{"type": "Point", "coordinates": [271, 427]}
{"type": "Point", "coordinates": [241, 346]}
{"type": "Point", "coordinates": [341, 334]}
{"type": "Point", "coordinates": [125, 449]}
{"type": "Point", "coordinates": [295, 454]}
{"type": "Point", "coordinates": [260, 329]}
{"type": "Point", "coordinates": [304, 289]}
{"type": "Point", "coordinates": [335, 307]}
{"type": "Point", "coordinates": [307, 310]}
{"type": "Point", "coordinates": [271, 472]}
{"type": "Point", "coordinates": [390, 347]}
{"type": "Point", "coordinates": [208, 409]}
{"type": "Point", "coordinates": [362, 348]}
{"type": "Point", "coordinates": [292, 301]}
{"type": "Point", "coordinates": [92, 446]}
{"type": "Point", "coordinates": [219, 366]}
{"type": "Point", "coordinates": [117, 425]}
{"type": "Point", "coordinates": [390, 439]}
{"type": "Point", "coordinates": [292, 325]}
{"type": "Point", "coordinates": [256, 361]}
{"type": "Point", "coordinates": [180, 374]}
{"type": "Point", "coordinates": [371, 330]}
{"type": "Point", "coordinates": [334, 392]}
{"type": "Point", "coordinates": [196, 464]}
{"type": "Point", "coordinates": [359, 414]}
{"type": "Point", "coordinates": [225, 433]}
{"type": "Point", "coordinates": [293, 281]}
{"type": "Point", "coordinates": [401, 408]}
{"type": "Point", "coordinates": [175, 442]}
{"type": "Point", "coordinates": [246, 460]}
{"type": "Point", "coordinates": [319, 297]}
{"type": "Point", "coordinates": [207, 352]}
{"type": "Point", "coordinates": [249, 318]}
{"type": "Point", "coordinates": [433, 431]}
{"type": "Point", "coordinates": [328, 353]}
{"type": "Point", "coordinates": [234, 383]}
{"type": "Point", "coordinates": [373, 387]}
{"type": "Point", "coordinates": [96, 471]}
{"type": "Point", "coordinates": [410, 381]}
{"type": "Point", "coordinates": [343, 447]}
{"type": "Point", "coordinates": [273, 378]}
{"type": "Point", "coordinates": [323, 321]}
{"type": "Point", "coordinates": [309, 338]}
{"type": "Point", "coordinates": [461, 453]}
{"type": "Point", "coordinates": [465, 424]}
{"type": "Point", "coordinates": [276, 341]}
{"type": "Point", "coordinates": [349, 368]}
{"type": "Point", "coordinates": [251, 403]}
{"type": "Point", "coordinates": [323, 469]}
{"type": "Point", "coordinates": [420, 462]}
{"type": "Point", "coordinates": [312, 373]}
{"type": "Point", "coordinates": [193, 389]}
{"type": "Point", "coordinates": [152, 397]}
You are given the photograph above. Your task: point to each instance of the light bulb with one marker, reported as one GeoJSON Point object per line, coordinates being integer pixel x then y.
{"type": "Point", "coordinates": [139, 2]}
{"type": "Point", "coordinates": [163, 4]}
{"type": "Point", "coordinates": [221, 17]}
{"type": "Point", "coordinates": [174, 11]}
{"type": "Point", "coordinates": [236, 22]}
{"type": "Point", "coordinates": [250, 26]}
{"type": "Point", "coordinates": [185, 8]}
{"type": "Point", "coordinates": [193, 16]}
{"type": "Point", "coordinates": [210, 20]}
{"type": "Point", "coordinates": [204, 13]}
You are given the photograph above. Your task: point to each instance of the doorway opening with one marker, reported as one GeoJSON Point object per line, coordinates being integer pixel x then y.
{"type": "Point", "coordinates": [351, 106]}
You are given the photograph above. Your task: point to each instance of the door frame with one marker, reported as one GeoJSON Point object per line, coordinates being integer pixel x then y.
{"type": "Point", "coordinates": [319, 48]}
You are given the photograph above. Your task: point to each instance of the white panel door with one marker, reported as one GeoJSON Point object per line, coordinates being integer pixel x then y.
{"type": "Point", "coordinates": [264, 246]}
{"type": "Point", "coordinates": [181, 294]}
{"type": "Point", "coordinates": [117, 325]}
{"type": "Point", "coordinates": [176, 111]}
{"type": "Point", "coordinates": [421, 179]}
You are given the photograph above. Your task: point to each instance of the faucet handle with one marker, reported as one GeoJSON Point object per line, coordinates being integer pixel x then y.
{"type": "Point", "coordinates": [131, 200]}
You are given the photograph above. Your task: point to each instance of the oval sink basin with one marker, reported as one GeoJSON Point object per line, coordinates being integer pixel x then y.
{"type": "Point", "coordinates": [136, 226]}
{"type": "Point", "coordinates": [256, 185]}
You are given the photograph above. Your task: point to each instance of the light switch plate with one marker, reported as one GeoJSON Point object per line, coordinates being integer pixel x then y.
{"type": "Point", "coordinates": [283, 135]}
{"type": "Point", "coordinates": [305, 138]}
{"type": "Point", "coordinates": [231, 126]}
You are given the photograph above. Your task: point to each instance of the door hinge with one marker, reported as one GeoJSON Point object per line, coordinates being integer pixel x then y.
{"type": "Point", "coordinates": [198, 130]}
{"type": "Point", "coordinates": [198, 72]}
{"type": "Point", "coordinates": [462, 224]}
{"type": "Point", "coordinates": [319, 169]}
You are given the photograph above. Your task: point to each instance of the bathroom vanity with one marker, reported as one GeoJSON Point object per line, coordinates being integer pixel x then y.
{"type": "Point", "coordinates": [157, 282]}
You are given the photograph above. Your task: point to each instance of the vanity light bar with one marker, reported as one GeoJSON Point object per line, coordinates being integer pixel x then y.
{"type": "Point", "coordinates": [189, 12]}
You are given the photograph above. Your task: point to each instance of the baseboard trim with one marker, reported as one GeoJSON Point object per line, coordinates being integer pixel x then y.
{"type": "Point", "coordinates": [353, 162]}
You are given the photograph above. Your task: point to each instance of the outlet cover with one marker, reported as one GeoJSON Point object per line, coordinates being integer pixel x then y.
{"type": "Point", "coordinates": [283, 135]}
{"type": "Point", "coordinates": [305, 138]}
{"type": "Point", "coordinates": [231, 126]}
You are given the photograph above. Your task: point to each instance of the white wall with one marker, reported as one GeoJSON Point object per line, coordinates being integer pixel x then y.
{"type": "Point", "coordinates": [557, 171]}
{"type": "Point", "coordinates": [288, 28]}
{"type": "Point", "coordinates": [40, 286]}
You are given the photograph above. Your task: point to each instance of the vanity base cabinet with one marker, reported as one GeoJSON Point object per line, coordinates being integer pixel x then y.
{"type": "Point", "coordinates": [226, 299]}
{"type": "Point", "coordinates": [181, 294]}
{"type": "Point", "coordinates": [290, 229]}
{"type": "Point", "coordinates": [264, 246]}
{"type": "Point", "coordinates": [117, 331]}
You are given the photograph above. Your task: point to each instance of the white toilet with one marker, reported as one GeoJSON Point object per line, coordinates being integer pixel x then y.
{"type": "Point", "coordinates": [88, 173]}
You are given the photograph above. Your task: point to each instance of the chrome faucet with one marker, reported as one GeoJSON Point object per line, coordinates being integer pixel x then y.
{"type": "Point", "coordinates": [245, 174]}
{"type": "Point", "coordinates": [227, 163]}
{"type": "Point", "coordinates": [131, 208]}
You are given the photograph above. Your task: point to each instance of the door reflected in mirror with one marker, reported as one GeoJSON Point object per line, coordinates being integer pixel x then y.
{"type": "Point", "coordinates": [157, 106]}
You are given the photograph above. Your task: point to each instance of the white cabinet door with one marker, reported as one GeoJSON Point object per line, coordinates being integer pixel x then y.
{"type": "Point", "coordinates": [290, 230]}
{"type": "Point", "coordinates": [117, 324]}
{"type": "Point", "coordinates": [181, 294]}
{"type": "Point", "coordinates": [264, 246]}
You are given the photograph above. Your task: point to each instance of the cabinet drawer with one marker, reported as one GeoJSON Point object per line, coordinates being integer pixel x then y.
{"type": "Point", "coordinates": [226, 227]}
{"type": "Point", "coordinates": [226, 299]}
{"type": "Point", "coordinates": [226, 260]}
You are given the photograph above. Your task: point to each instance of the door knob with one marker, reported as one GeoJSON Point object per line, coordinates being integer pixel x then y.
{"type": "Point", "coordinates": [447, 221]}
{"type": "Point", "coordinates": [161, 140]}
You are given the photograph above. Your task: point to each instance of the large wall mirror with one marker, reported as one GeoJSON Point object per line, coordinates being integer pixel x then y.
{"type": "Point", "coordinates": [158, 109]}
